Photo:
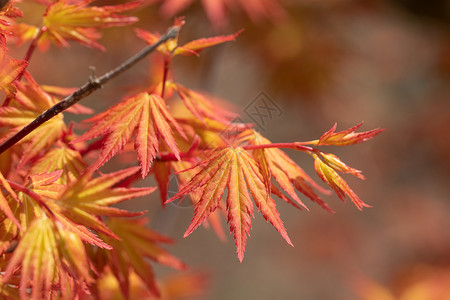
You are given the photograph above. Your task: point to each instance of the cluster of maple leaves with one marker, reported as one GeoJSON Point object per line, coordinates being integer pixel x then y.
{"type": "Point", "coordinates": [61, 236]}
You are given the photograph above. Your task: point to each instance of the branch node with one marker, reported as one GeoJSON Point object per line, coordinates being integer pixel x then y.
{"type": "Point", "coordinates": [93, 80]}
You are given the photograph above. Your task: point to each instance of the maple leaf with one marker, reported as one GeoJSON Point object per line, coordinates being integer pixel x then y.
{"type": "Point", "coordinates": [327, 171]}
{"type": "Point", "coordinates": [42, 190]}
{"type": "Point", "coordinates": [89, 197]}
{"type": "Point", "coordinates": [49, 256]}
{"type": "Point", "coordinates": [35, 195]}
{"type": "Point", "coordinates": [9, 71]}
{"type": "Point", "coordinates": [78, 205]}
{"type": "Point", "coordinates": [61, 158]}
{"type": "Point", "coordinates": [274, 163]}
{"type": "Point", "coordinates": [184, 170]}
{"type": "Point", "coordinates": [235, 169]}
{"type": "Point", "coordinates": [26, 206]}
{"type": "Point", "coordinates": [45, 184]}
{"type": "Point", "coordinates": [171, 48]}
{"type": "Point", "coordinates": [346, 137]}
{"type": "Point", "coordinates": [76, 20]}
{"type": "Point", "coordinates": [137, 243]}
{"type": "Point", "coordinates": [144, 113]}
{"type": "Point", "coordinates": [195, 46]}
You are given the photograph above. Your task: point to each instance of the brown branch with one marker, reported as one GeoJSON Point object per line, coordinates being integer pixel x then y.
{"type": "Point", "coordinates": [88, 88]}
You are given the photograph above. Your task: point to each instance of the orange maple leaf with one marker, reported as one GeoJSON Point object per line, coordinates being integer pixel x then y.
{"type": "Point", "coordinates": [274, 163]}
{"type": "Point", "coordinates": [9, 71]}
{"type": "Point", "coordinates": [144, 113]}
{"type": "Point", "coordinates": [346, 137]}
{"type": "Point", "coordinates": [61, 158]}
{"type": "Point", "coordinates": [51, 260]}
{"type": "Point", "coordinates": [39, 197]}
{"type": "Point", "coordinates": [30, 202]}
{"type": "Point", "coordinates": [184, 170]}
{"type": "Point", "coordinates": [195, 46]}
{"type": "Point", "coordinates": [32, 197]}
{"type": "Point", "coordinates": [327, 168]}
{"type": "Point", "coordinates": [78, 205]}
{"type": "Point", "coordinates": [67, 20]}
{"type": "Point", "coordinates": [171, 47]}
{"type": "Point", "coordinates": [235, 169]}
{"type": "Point", "coordinates": [85, 199]}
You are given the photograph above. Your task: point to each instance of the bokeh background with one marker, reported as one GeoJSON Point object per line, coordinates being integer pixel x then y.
{"type": "Point", "coordinates": [384, 62]}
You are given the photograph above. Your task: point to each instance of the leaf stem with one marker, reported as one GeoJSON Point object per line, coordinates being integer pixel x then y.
{"type": "Point", "coordinates": [32, 47]}
{"type": "Point", "coordinates": [295, 146]}
{"type": "Point", "coordinates": [165, 73]}
{"type": "Point", "coordinates": [88, 88]}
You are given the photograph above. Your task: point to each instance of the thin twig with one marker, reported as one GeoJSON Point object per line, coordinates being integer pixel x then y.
{"type": "Point", "coordinates": [88, 88]}
{"type": "Point", "coordinates": [165, 72]}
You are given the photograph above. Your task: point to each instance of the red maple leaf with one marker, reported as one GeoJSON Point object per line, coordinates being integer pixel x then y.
{"type": "Point", "coordinates": [144, 113]}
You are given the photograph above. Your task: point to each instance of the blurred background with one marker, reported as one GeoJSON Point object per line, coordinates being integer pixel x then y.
{"type": "Point", "coordinates": [384, 62]}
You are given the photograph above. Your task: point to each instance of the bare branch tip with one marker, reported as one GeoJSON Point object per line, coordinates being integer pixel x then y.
{"type": "Point", "coordinates": [172, 32]}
